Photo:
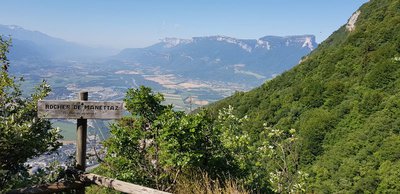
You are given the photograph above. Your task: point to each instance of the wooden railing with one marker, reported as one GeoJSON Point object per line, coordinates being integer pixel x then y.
{"type": "Point", "coordinates": [86, 180]}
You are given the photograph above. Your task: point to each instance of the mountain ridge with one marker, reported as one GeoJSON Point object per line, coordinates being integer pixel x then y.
{"type": "Point", "coordinates": [219, 57]}
{"type": "Point", "coordinates": [45, 46]}
{"type": "Point", "coordinates": [171, 42]}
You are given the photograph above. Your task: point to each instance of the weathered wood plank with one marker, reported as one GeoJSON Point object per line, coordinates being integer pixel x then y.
{"type": "Point", "coordinates": [63, 109]}
{"type": "Point", "coordinates": [120, 185]}
{"type": "Point", "coordinates": [50, 188]}
{"type": "Point", "coordinates": [85, 180]}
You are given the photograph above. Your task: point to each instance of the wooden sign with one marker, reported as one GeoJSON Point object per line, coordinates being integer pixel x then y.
{"type": "Point", "coordinates": [62, 109]}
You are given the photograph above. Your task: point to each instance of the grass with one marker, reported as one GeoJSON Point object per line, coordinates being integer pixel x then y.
{"type": "Point", "coordinates": [201, 183]}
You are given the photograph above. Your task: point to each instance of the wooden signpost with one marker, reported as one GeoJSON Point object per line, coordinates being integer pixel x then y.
{"type": "Point", "coordinates": [81, 110]}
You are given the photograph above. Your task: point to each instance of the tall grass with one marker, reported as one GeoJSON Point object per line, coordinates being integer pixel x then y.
{"type": "Point", "coordinates": [201, 183]}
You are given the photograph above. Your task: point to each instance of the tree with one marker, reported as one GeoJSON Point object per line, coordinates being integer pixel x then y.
{"type": "Point", "coordinates": [269, 160]}
{"type": "Point", "coordinates": [155, 145]}
{"type": "Point", "coordinates": [132, 149]}
{"type": "Point", "coordinates": [22, 134]}
{"type": "Point", "coordinates": [286, 176]}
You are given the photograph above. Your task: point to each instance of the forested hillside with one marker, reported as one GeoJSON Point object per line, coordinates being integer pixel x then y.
{"type": "Point", "coordinates": [344, 100]}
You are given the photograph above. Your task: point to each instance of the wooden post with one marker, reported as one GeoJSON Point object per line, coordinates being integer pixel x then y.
{"type": "Point", "coordinates": [81, 135]}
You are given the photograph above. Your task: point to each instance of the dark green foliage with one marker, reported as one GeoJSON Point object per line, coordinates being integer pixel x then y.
{"type": "Point", "coordinates": [22, 134]}
{"type": "Point", "coordinates": [344, 101]}
{"type": "Point", "coordinates": [143, 103]}
{"type": "Point", "coordinates": [315, 124]}
{"type": "Point", "coordinates": [155, 145]}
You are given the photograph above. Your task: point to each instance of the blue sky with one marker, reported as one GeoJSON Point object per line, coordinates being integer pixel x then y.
{"type": "Point", "coordinates": [134, 23]}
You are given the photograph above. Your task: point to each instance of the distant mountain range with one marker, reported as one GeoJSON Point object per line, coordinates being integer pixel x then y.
{"type": "Point", "coordinates": [223, 58]}
{"type": "Point", "coordinates": [248, 62]}
{"type": "Point", "coordinates": [27, 44]}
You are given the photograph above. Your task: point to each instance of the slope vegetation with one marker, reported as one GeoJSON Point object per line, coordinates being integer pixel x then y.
{"type": "Point", "coordinates": [344, 99]}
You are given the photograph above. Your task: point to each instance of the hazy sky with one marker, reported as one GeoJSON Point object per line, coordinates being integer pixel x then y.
{"type": "Point", "coordinates": [134, 23]}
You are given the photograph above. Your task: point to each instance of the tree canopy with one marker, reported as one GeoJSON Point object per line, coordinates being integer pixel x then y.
{"type": "Point", "coordinates": [22, 134]}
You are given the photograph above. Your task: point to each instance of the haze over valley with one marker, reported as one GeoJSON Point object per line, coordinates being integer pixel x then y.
{"type": "Point", "coordinates": [190, 72]}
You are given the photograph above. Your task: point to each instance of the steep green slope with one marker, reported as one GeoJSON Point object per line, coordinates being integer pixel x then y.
{"type": "Point", "coordinates": [344, 99]}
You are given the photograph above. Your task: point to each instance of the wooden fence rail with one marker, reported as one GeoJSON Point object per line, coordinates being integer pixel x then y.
{"type": "Point", "coordinates": [120, 185]}
{"type": "Point", "coordinates": [86, 180]}
{"type": "Point", "coordinates": [49, 188]}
